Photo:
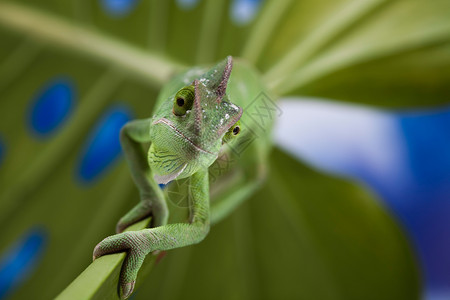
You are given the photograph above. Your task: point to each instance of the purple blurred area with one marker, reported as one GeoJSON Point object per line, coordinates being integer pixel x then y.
{"type": "Point", "coordinates": [404, 157]}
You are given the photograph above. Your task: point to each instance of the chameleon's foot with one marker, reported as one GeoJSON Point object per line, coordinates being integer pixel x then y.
{"type": "Point", "coordinates": [141, 211]}
{"type": "Point", "coordinates": [134, 244]}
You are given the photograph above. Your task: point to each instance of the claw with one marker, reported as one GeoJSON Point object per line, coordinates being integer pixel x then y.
{"type": "Point", "coordinates": [120, 227]}
{"type": "Point", "coordinates": [138, 213]}
{"type": "Point", "coordinates": [112, 244]}
{"type": "Point", "coordinates": [126, 289]}
{"type": "Point", "coordinates": [97, 252]}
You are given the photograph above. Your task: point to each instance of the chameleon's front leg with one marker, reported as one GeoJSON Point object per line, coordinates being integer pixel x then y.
{"type": "Point", "coordinates": [151, 197]}
{"type": "Point", "coordinates": [139, 243]}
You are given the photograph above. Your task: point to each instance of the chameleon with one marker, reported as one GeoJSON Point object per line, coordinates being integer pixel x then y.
{"type": "Point", "coordinates": [200, 117]}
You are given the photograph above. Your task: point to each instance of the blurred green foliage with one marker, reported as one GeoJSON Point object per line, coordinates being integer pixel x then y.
{"type": "Point", "coordinates": [306, 235]}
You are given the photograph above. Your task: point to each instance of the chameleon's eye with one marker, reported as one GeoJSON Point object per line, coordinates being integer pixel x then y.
{"type": "Point", "coordinates": [183, 100]}
{"type": "Point", "coordinates": [236, 130]}
{"type": "Point", "coordinates": [232, 132]}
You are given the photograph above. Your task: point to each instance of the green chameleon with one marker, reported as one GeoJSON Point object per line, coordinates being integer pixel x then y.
{"type": "Point", "coordinates": [199, 118]}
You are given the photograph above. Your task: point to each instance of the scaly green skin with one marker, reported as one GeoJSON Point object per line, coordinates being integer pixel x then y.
{"type": "Point", "coordinates": [185, 141]}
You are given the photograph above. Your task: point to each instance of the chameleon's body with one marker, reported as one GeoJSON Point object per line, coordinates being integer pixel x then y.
{"type": "Point", "coordinates": [199, 117]}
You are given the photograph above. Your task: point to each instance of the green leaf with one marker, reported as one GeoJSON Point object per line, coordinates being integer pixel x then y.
{"type": "Point", "coordinates": [384, 53]}
{"type": "Point", "coordinates": [305, 235]}
{"type": "Point", "coordinates": [294, 239]}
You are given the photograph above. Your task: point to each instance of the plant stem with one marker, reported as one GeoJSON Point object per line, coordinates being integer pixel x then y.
{"type": "Point", "coordinates": [60, 32]}
{"type": "Point", "coordinates": [305, 48]}
{"type": "Point", "coordinates": [262, 30]}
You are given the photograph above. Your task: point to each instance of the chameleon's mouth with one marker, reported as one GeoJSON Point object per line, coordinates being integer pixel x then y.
{"type": "Point", "coordinates": [172, 126]}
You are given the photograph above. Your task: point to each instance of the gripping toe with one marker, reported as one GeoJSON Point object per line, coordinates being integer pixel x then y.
{"type": "Point", "coordinates": [126, 289]}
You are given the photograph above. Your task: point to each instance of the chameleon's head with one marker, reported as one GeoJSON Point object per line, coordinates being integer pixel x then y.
{"type": "Point", "coordinates": [194, 122]}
